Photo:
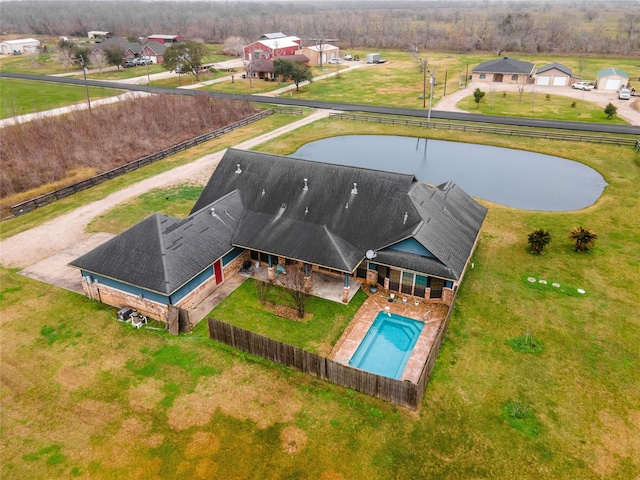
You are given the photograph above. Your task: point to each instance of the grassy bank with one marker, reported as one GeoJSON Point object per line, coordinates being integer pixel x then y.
{"type": "Point", "coordinates": [85, 395]}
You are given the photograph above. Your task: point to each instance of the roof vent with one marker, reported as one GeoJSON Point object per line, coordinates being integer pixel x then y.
{"type": "Point", "coordinates": [354, 190]}
{"type": "Point", "coordinates": [306, 210]}
{"type": "Point", "coordinates": [263, 192]}
{"type": "Point", "coordinates": [306, 186]}
{"type": "Point", "coordinates": [406, 215]}
{"type": "Point", "coordinates": [213, 212]}
{"type": "Point", "coordinates": [238, 169]}
{"type": "Point", "coordinates": [346, 205]}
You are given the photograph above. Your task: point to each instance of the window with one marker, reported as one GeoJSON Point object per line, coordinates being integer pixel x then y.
{"type": "Point", "coordinates": [394, 280]}
{"type": "Point", "coordinates": [407, 283]}
{"type": "Point", "coordinates": [514, 78]}
{"type": "Point", "coordinates": [483, 76]}
{"type": "Point", "coordinates": [421, 284]}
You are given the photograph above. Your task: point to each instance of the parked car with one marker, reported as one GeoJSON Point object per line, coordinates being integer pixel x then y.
{"type": "Point", "coordinates": [347, 56]}
{"type": "Point", "coordinates": [582, 86]}
{"type": "Point", "coordinates": [624, 94]}
{"type": "Point", "coordinates": [335, 60]}
{"type": "Point", "coordinates": [129, 63]}
{"type": "Point", "coordinates": [143, 61]}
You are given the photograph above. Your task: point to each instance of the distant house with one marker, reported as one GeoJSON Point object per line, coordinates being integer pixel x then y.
{"type": "Point", "coordinates": [554, 74]}
{"type": "Point", "coordinates": [131, 49]}
{"type": "Point", "coordinates": [611, 79]}
{"type": "Point", "coordinates": [503, 70]}
{"type": "Point", "coordinates": [22, 45]}
{"type": "Point", "coordinates": [274, 213]}
{"type": "Point", "coordinates": [263, 69]}
{"type": "Point", "coordinates": [271, 45]}
{"type": "Point", "coordinates": [98, 35]}
{"type": "Point", "coordinates": [320, 54]}
{"type": "Point", "coordinates": [165, 38]}
{"type": "Point", "coordinates": [155, 51]}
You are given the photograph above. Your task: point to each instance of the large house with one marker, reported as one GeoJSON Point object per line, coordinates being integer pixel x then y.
{"type": "Point", "coordinates": [504, 70]}
{"type": "Point", "coordinates": [380, 228]}
{"type": "Point", "coordinates": [271, 45]}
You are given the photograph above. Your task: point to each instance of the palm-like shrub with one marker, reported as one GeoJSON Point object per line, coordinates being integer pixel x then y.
{"type": "Point", "coordinates": [538, 239]}
{"type": "Point", "coordinates": [585, 239]}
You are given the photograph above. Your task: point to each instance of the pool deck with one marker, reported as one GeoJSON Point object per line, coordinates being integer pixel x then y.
{"type": "Point", "coordinates": [432, 314]}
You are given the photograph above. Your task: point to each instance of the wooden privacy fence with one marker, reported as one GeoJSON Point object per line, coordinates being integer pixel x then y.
{"type": "Point", "coordinates": [400, 392]}
{"type": "Point", "coordinates": [473, 128]}
{"type": "Point", "coordinates": [51, 197]}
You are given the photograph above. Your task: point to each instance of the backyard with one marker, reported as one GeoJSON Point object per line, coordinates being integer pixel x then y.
{"type": "Point", "coordinates": [85, 395]}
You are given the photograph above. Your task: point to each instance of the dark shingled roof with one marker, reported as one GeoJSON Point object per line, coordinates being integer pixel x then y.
{"type": "Point", "coordinates": [163, 253]}
{"type": "Point", "coordinates": [557, 66]}
{"type": "Point", "coordinates": [259, 201]}
{"type": "Point", "coordinates": [329, 225]}
{"type": "Point", "coordinates": [505, 65]}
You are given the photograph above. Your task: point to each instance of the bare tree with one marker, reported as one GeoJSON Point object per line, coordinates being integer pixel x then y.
{"type": "Point", "coordinates": [98, 58]}
{"type": "Point", "coordinates": [294, 282]}
{"type": "Point", "coordinates": [233, 46]}
{"type": "Point", "coordinates": [64, 55]}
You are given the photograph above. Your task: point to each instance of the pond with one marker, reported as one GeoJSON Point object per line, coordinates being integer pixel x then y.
{"type": "Point", "coordinates": [514, 178]}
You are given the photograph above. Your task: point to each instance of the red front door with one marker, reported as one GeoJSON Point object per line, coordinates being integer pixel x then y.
{"type": "Point", "coordinates": [217, 270]}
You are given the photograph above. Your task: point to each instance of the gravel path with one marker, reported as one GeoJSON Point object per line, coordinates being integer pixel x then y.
{"type": "Point", "coordinates": [27, 248]}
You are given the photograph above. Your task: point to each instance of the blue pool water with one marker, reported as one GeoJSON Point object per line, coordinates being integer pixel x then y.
{"type": "Point", "coordinates": [387, 345]}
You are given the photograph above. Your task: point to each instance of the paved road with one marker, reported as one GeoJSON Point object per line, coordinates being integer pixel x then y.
{"type": "Point", "coordinates": [435, 114]}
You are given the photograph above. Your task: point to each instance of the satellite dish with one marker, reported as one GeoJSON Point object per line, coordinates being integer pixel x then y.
{"type": "Point", "coordinates": [370, 254]}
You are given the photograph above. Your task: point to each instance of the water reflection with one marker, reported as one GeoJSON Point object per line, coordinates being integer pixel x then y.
{"type": "Point", "coordinates": [514, 178]}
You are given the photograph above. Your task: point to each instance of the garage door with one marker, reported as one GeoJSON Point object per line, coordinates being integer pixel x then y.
{"type": "Point", "coordinates": [612, 84]}
{"type": "Point", "coordinates": [559, 81]}
{"type": "Point", "coordinates": [543, 80]}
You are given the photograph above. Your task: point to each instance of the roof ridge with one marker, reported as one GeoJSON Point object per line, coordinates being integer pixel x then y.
{"type": "Point", "coordinates": [163, 251]}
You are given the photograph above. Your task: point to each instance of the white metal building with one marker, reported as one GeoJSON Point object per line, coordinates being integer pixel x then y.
{"type": "Point", "coordinates": [21, 45]}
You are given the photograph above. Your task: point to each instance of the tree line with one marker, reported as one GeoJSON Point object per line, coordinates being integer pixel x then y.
{"type": "Point", "coordinates": [584, 27]}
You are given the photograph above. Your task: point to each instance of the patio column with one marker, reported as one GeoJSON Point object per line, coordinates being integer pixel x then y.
{"type": "Point", "coordinates": [271, 272]}
{"type": "Point", "coordinates": [345, 290]}
{"type": "Point", "coordinates": [307, 278]}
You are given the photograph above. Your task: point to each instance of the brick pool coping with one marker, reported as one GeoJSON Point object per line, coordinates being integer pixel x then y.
{"type": "Point", "coordinates": [431, 314]}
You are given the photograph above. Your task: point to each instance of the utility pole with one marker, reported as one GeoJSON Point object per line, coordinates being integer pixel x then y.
{"type": "Point", "coordinates": [86, 87]}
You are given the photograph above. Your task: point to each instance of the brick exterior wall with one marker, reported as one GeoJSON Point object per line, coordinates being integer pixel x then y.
{"type": "Point", "coordinates": [118, 298]}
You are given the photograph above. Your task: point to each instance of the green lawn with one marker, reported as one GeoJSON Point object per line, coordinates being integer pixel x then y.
{"type": "Point", "coordinates": [538, 105]}
{"type": "Point", "coordinates": [19, 97]}
{"type": "Point", "coordinates": [83, 395]}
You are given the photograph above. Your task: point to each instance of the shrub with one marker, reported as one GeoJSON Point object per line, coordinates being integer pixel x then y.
{"type": "Point", "coordinates": [538, 240]}
{"type": "Point", "coordinates": [585, 239]}
{"type": "Point", "coordinates": [610, 110]}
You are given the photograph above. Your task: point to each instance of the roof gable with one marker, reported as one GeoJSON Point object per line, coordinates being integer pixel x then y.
{"type": "Point", "coordinates": [162, 253]}
{"type": "Point", "coordinates": [554, 65]}
{"type": "Point", "coordinates": [607, 72]}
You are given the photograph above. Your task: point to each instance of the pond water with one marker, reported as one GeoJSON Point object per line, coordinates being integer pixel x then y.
{"type": "Point", "coordinates": [514, 178]}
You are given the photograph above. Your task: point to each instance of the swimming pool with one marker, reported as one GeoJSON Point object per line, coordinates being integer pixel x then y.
{"type": "Point", "coordinates": [387, 346]}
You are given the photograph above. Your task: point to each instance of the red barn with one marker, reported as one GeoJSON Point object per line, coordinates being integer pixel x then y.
{"type": "Point", "coordinates": [271, 45]}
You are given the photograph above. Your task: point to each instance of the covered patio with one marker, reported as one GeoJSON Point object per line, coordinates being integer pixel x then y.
{"type": "Point", "coordinates": [323, 285]}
